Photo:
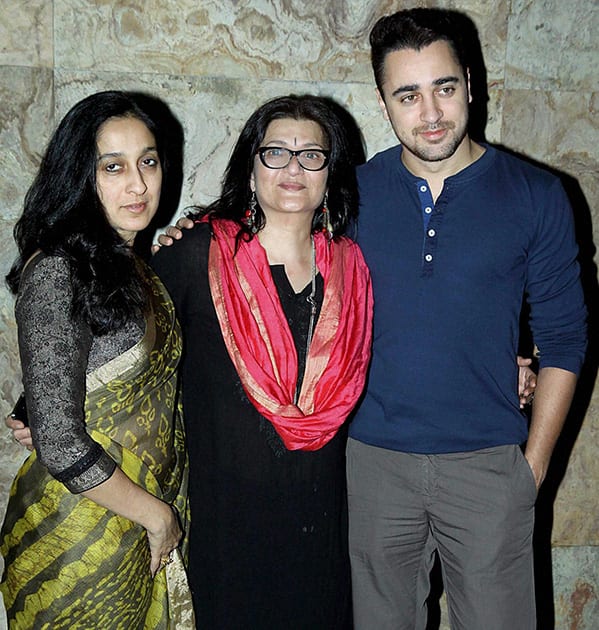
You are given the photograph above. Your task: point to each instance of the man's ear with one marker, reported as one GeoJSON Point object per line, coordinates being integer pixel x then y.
{"type": "Point", "coordinates": [382, 105]}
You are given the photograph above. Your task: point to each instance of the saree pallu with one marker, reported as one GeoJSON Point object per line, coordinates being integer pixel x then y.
{"type": "Point", "coordinates": [71, 563]}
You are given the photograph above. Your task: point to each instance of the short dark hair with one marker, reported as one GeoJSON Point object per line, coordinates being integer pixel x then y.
{"type": "Point", "coordinates": [415, 29]}
{"type": "Point", "coordinates": [345, 149]}
{"type": "Point", "coordinates": [63, 215]}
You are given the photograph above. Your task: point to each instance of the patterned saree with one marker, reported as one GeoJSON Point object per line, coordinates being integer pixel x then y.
{"type": "Point", "coordinates": [71, 563]}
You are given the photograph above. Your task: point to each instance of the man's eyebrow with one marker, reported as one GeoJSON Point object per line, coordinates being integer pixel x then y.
{"type": "Point", "coordinates": [415, 86]}
{"type": "Point", "coordinates": [405, 88]}
{"type": "Point", "coordinates": [449, 79]}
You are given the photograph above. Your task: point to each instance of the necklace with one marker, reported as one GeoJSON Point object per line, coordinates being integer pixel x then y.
{"type": "Point", "coordinates": [312, 302]}
{"type": "Point", "coordinates": [310, 299]}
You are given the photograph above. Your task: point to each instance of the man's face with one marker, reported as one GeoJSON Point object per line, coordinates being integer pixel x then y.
{"type": "Point", "coordinates": [425, 97]}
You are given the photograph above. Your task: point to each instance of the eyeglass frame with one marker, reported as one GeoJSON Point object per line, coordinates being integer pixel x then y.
{"type": "Point", "coordinates": [294, 154]}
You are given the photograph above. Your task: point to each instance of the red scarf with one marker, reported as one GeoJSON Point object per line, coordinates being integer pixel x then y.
{"type": "Point", "coordinates": [260, 344]}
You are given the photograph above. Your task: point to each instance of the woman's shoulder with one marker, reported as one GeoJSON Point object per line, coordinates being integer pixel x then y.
{"type": "Point", "coordinates": [45, 269]}
{"type": "Point", "coordinates": [185, 254]}
{"type": "Point", "coordinates": [195, 237]}
{"type": "Point", "coordinates": [45, 284]}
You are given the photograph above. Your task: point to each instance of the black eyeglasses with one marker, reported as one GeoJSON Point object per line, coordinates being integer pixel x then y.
{"type": "Point", "coordinates": [308, 159]}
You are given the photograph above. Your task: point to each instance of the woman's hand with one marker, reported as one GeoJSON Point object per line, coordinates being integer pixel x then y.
{"type": "Point", "coordinates": [121, 495]}
{"type": "Point", "coordinates": [20, 432]}
{"type": "Point", "coordinates": [173, 233]}
{"type": "Point", "coordinates": [527, 382]}
{"type": "Point", "coordinates": [164, 535]}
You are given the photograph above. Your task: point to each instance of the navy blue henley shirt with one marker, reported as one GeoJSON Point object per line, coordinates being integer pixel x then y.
{"type": "Point", "coordinates": [449, 281]}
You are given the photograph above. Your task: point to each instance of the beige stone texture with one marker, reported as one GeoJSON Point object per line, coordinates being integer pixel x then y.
{"type": "Point", "coordinates": [26, 33]}
{"type": "Point", "coordinates": [552, 45]}
{"type": "Point", "coordinates": [289, 40]}
{"type": "Point", "coordinates": [214, 61]}
{"type": "Point", "coordinates": [576, 586]}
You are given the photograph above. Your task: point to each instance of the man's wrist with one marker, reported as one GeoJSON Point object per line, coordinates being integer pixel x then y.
{"type": "Point", "coordinates": [538, 468]}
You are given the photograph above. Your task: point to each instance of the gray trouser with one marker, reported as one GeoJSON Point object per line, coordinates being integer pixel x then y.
{"type": "Point", "coordinates": [475, 509]}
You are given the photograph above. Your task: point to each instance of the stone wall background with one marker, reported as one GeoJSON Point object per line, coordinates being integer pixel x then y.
{"type": "Point", "coordinates": [214, 61]}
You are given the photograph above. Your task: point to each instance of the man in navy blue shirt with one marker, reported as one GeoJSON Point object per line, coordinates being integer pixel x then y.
{"type": "Point", "coordinates": [456, 235]}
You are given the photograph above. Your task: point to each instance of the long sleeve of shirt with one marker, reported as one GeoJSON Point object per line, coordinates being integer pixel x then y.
{"type": "Point", "coordinates": [552, 284]}
{"type": "Point", "coordinates": [57, 350]}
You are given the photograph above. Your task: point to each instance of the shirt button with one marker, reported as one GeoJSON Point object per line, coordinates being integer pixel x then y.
{"type": "Point", "coordinates": [428, 210]}
{"type": "Point", "coordinates": [423, 188]}
{"type": "Point", "coordinates": [431, 232]}
{"type": "Point", "coordinates": [428, 257]}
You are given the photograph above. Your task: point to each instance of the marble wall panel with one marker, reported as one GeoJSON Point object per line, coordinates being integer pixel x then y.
{"type": "Point", "coordinates": [552, 45]}
{"type": "Point", "coordinates": [561, 127]}
{"type": "Point", "coordinates": [214, 61]}
{"type": "Point", "coordinates": [288, 40]}
{"type": "Point", "coordinates": [26, 117]}
{"type": "Point", "coordinates": [26, 33]}
{"type": "Point", "coordinates": [283, 39]}
{"type": "Point", "coordinates": [575, 509]}
{"type": "Point", "coordinates": [576, 588]}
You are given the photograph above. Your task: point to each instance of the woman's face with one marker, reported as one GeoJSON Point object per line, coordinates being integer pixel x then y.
{"type": "Point", "coordinates": [291, 190]}
{"type": "Point", "coordinates": [128, 175]}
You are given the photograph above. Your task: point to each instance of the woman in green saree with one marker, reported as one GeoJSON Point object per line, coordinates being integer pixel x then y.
{"type": "Point", "coordinates": [95, 531]}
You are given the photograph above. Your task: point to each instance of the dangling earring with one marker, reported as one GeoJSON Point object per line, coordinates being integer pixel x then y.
{"type": "Point", "coordinates": [326, 218]}
{"type": "Point", "coordinates": [250, 214]}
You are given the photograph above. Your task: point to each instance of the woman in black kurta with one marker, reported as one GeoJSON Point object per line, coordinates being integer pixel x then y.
{"type": "Point", "coordinates": [276, 311]}
{"type": "Point", "coordinates": [268, 544]}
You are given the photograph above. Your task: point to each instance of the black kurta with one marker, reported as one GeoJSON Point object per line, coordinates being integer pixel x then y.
{"type": "Point", "coordinates": [268, 543]}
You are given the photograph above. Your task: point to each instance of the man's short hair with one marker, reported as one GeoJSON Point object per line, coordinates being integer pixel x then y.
{"type": "Point", "coordinates": [415, 29]}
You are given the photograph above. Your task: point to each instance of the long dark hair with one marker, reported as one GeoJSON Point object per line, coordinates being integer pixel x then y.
{"type": "Point", "coordinates": [345, 148]}
{"type": "Point", "coordinates": [63, 216]}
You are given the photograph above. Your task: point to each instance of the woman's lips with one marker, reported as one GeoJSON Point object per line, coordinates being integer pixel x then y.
{"type": "Point", "coordinates": [136, 208]}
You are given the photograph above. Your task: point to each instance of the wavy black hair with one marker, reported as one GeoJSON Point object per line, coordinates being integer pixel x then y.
{"type": "Point", "coordinates": [63, 216]}
{"type": "Point", "coordinates": [415, 29]}
{"type": "Point", "coordinates": [346, 152]}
